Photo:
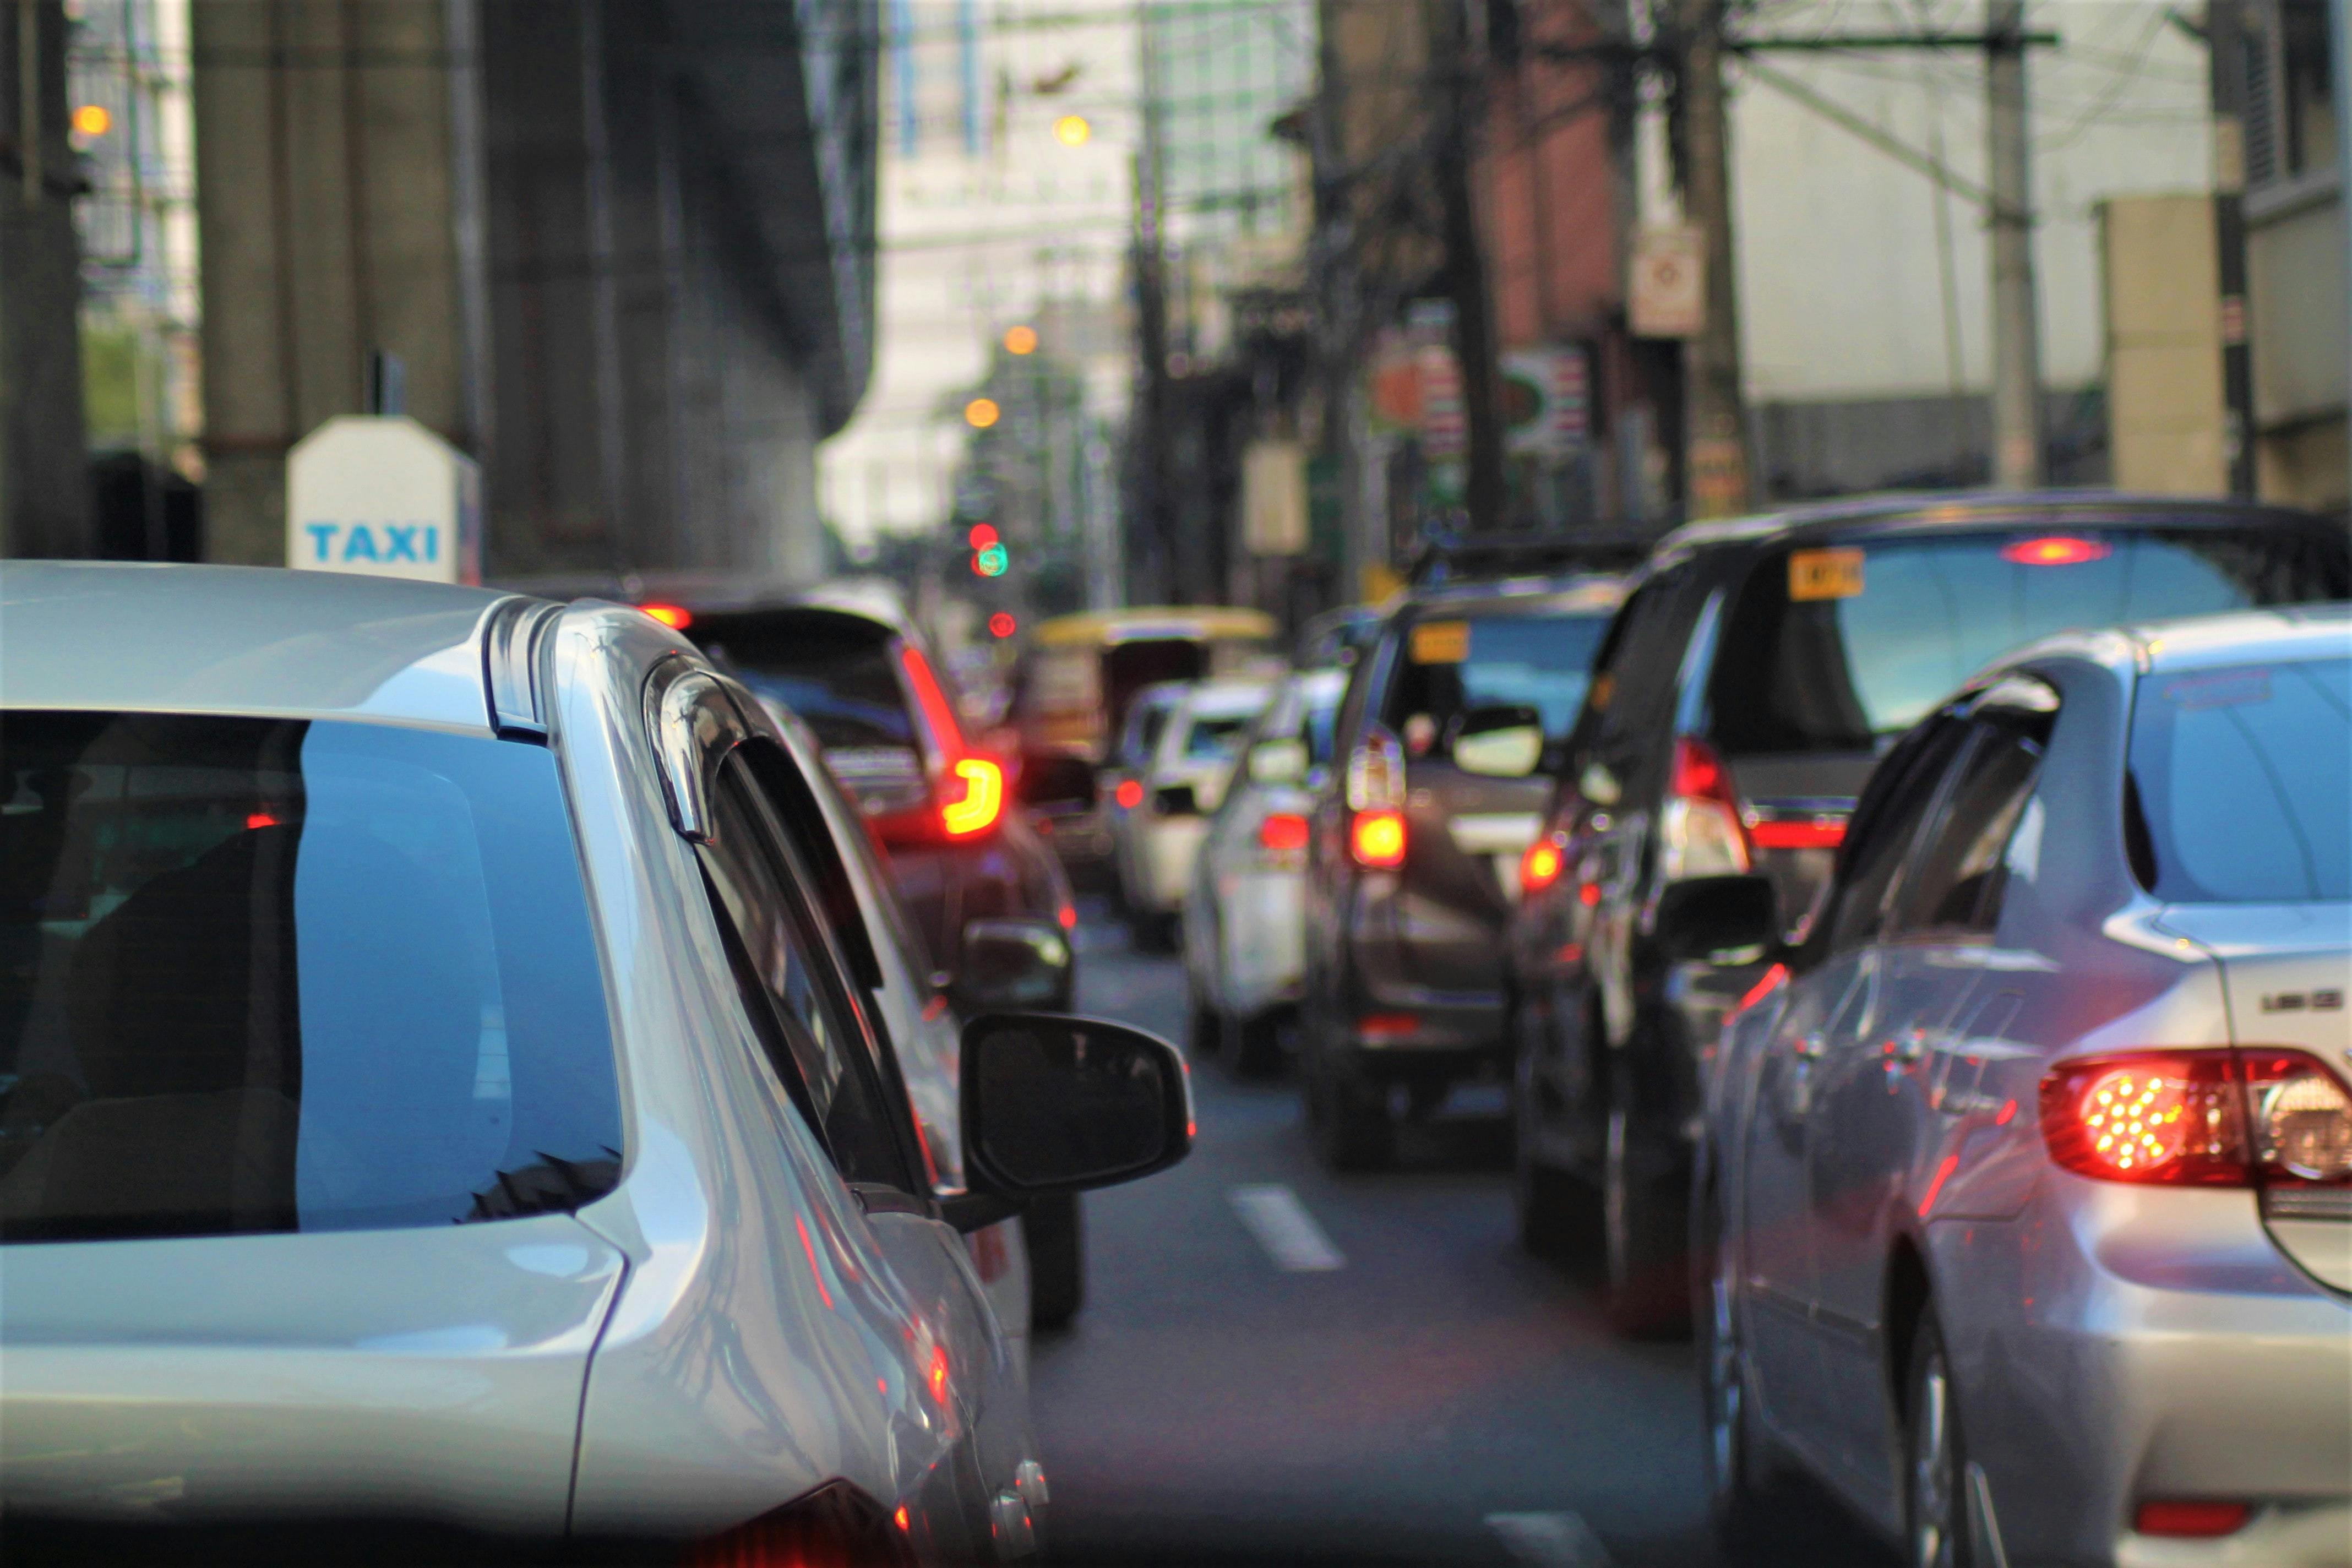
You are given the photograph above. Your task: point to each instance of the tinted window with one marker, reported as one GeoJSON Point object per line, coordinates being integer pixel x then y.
{"type": "Point", "coordinates": [1835, 648]}
{"type": "Point", "coordinates": [2240, 774]}
{"type": "Point", "coordinates": [1884, 823]}
{"type": "Point", "coordinates": [1645, 652]}
{"type": "Point", "coordinates": [1212, 738]}
{"type": "Point", "coordinates": [790, 991]}
{"type": "Point", "coordinates": [1955, 883]}
{"type": "Point", "coordinates": [1451, 665]}
{"type": "Point", "coordinates": [262, 975]}
{"type": "Point", "coordinates": [835, 672]}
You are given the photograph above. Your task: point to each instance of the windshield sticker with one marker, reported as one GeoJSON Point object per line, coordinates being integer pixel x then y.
{"type": "Point", "coordinates": [2225, 689]}
{"type": "Point", "coordinates": [1441, 642]}
{"type": "Point", "coordinates": [1824, 575]}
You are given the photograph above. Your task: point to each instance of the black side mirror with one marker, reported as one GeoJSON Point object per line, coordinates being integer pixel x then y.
{"type": "Point", "coordinates": [1710, 916]}
{"type": "Point", "coordinates": [1011, 964]}
{"type": "Point", "coordinates": [1057, 1105]}
{"type": "Point", "coordinates": [1176, 800]}
{"type": "Point", "coordinates": [1056, 783]}
{"type": "Point", "coordinates": [1504, 741]}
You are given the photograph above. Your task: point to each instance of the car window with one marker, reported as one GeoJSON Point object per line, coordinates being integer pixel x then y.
{"type": "Point", "coordinates": [1452, 664]}
{"type": "Point", "coordinates": [269, 975]}
{"type": "Point", "coordinates": [1631, 696]}
{"type": "Point", "coordinates": [1143, 727]}
{"type": "Point", "coordinates": [790, 988]}
{"type": "Point", "coordinates": [1954, 883]}
{"type": "Point", "coordinates": [1884, 823]}
{"type": "Point", "coordinates": [1838, 646]}
{"type": "Point", "coordinates": [1216, 738]}
{"type": "Point", "coordinates": [2242, 782]}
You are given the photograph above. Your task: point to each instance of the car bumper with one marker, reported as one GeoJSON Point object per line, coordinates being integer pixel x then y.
{"type": "Point", "coordinates": [1165, 850]}
{"type": "Point", "coordinates": [1406, 1030]}
{"type": "Point", "coordinates": [1261, 927]}
{"type": "Point", "coordinates": [2117, 1345]}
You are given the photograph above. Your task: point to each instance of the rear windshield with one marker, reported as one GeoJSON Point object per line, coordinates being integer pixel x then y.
{"type": "Point", "coordinates": [1841, 647]}
{"type": "Point", "coordinates": [1211, 738]}
{"type": "Point", "coordinates": [1448, 666]}
{"type": "Point", "coordinates": [266, 975]}
{"type": "Point", "coordinates": [835, 672]}
{"type": "Point", "coordinates": [2238, 780]}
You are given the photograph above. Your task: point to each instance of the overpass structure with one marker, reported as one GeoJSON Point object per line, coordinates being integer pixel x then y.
{"type": "Point", "coordinates": [622, 251]}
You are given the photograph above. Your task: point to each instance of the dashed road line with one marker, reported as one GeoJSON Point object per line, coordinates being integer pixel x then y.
{"type": "Point", "coordinates": [1549, 1540]}
{"type": "Point", "coordinates": [1272, 1214]}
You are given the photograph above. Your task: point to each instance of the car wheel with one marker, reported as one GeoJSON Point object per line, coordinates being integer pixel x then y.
{"type": "Point", "coordinates": [1746, 1501]}
{"type": "Point", "coordinates": [1935, 1496]}
{"type": "Point", "coordinates": [1055, 1230]}
{"type": "Point", "coordinates": [1257, 1040]}
{"type": "Point", "coordinates": [1553, 1209]}
{"type": "Point", "coordinates": [1644, 1222]}
{"type": "Point", "coordinates": [1349, 1120]}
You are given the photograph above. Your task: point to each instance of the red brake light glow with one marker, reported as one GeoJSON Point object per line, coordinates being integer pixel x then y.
{"type": "Point", "coordinates": [2196, 1517]}
{"type": "Point", "coordinates": [1066, 917]}
{"type": "Point", "coordinates": [982, 801]}
{"type": "Point", "coordinates": [1281, 832]}
{"type": "Point", "coordinates": [1540, 866]}
{"type": "Point", "coordinates": [1698, 773]}
{"type": "Point", "coordinates": [1130, 794]}
{"type": "Point", "coordinates": [1387, 1025]}
{"type": "Point", "coordinates": [937, 714]}
{"type": "Point", "coordinates": [1377, 839]}
{"type": "Point", "coordinates": [2250, 1116]}
{"type": "Point", "coordinates": [2055, 550]}
{"type": "Point", "coordinates": [1820, 833]}
{"type": "Point", "coordinates": [260, 819]}
{"type": "Point", "coordinates": [677, 618]}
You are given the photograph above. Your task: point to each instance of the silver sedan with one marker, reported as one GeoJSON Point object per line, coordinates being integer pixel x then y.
{"type": "Point", "coordinates": [447, 1083]}
{"type": "Point", "coordinates": [2024, 1201]}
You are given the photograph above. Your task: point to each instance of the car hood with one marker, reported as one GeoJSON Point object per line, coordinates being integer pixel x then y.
{"type": "Point", "coordinates": [432, 1374]}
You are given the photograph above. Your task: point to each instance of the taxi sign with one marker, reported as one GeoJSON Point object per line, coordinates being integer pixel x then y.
{"type": "Point", "coordinates": [383, 495]}
{"type": "Point", "coordinates": [1824, 575]}
{"type": "Point", "coordinates": [1441, 642]}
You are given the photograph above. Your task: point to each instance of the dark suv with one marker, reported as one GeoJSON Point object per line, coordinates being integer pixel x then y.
{"type": "Point", "coordinates": [973, 874]}
{"type": "Point", "coordinates": [1414, 857]}
{"type": "Point", "coordinates": [1756, 673]}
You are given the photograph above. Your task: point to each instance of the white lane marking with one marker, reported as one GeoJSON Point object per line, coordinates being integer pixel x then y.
{"type": "Point", "coordinates": [1549, 1540]}
{"type": "Point", "coordinates": [1274, 1215]}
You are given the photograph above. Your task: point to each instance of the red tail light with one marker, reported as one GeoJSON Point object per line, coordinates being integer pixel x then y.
{"type": "Point", "coordinates": [1130, 794]}
{"type": "Point", "coordinates": [835, 1526]}
{"type": "Point", "coordinates": [982, 801]}
{"type": "Point", "coordinates": [1820, 833]}
{"type": "Point", "coordinates": [1540, 868]}
{"type": "Point", "coordinates": [1700, 832]}
{"type": "Point", "coordinates": [1282, 832]}
{"type": "Point", "coordinates": [2204, 1118]}
{"type": "Point", "coordinates": [1377, 839]}
{"type": "Point", "coordinates": [2055, 550]}
{"type": "Point", "coordinates": [2196, 1518]}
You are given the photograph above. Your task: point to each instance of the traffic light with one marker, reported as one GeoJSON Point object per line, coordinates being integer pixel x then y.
{"type": "Point", "coordinates": [981, 536]}
{"type": "Point", "coordinates": [991, 562]}
{"type": "Point", "coordinates": [1001, 625]}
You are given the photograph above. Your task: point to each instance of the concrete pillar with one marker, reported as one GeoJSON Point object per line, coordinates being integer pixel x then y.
{"type": "Point", "coordinates": [45, 501]}
{"type": "Point", "coordinates": [336, 141]}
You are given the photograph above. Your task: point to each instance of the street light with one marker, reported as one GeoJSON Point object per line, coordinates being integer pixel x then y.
{"type": "Point", "coordinates": [981, 412]}
{"type": "Point", "coordinates": [1072, 131]}
{"type": "Point", "coordinates": [1021, 340]}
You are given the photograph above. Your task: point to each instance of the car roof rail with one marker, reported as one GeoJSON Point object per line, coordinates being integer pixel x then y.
{"type": "Point", "coordinates": [1468, 557]}
{"type": "Point", "coordinates": [511, 635]}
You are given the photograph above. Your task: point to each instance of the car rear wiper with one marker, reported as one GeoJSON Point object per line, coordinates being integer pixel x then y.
{"type": "Point", "coordinates": [548, 1186]}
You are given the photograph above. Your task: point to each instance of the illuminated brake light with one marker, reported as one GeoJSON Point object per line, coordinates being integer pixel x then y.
{"type": "Point", "coordinates": [1282, 832]}
{"type": "Point", "coordinates": [1820, 833]}
{"type": "Point", "coordinates": [1387, 1025]}
{"type": "Point", "coordinates": [677, 618]}
{"type": "Point", "coordinates": [1540, 868]}
{"type": "Point", "coordinates": [2256, 1116]}
{"type": "Point", "coordinates": [2198, 1517]}
{"type": "Point", "coordinates": [1066, 917]}
{"type": "Point", "coordinates": [1130, 794]}
{"type": "Point", "coordinates": [937, 714]}
{"type": "Point", "coordinates": [2055, 550]}
{"type": "Point", "coordinates": [1772, 981]}
{"type": "Point", "coordinates": [260, 819]}
{"type": "Point", "coordinates": [1700, 833]}
{"type": "Point", "coordinates": [1377, 839]}
{"type": "Point", "coordinates": [983, 798]}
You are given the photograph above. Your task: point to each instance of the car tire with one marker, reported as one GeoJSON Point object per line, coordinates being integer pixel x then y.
{"type": "Point", "coordinates": [1644, 1228]}
{"type": "Point", "coordinates": [1257, 1042]}
{"type": "Point", "coordinates": [1749, 1498]}
{"type": "Point", "coordinates": [1055, 1229]}
{"type": "Point", "coordinates": [1349, 1120]}
{"type": "Point", "coordinates": [1938, 1527]}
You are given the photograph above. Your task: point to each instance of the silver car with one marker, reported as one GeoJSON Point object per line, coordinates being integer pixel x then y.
{"type": "Point", "coordinates": [1164, 808]}
{"type": "Point", "coordinates": [1245, 921]}
{"type": "Point", "coordinates": [2024, 1205]}
{"type": "Point", "coordinates": [446, 1082]}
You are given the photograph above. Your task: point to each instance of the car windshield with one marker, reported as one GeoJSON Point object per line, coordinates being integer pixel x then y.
{"type": "Point", "coordinates": [1841, 646]}
{"type": "Point", "coordinates": [2240, 781]}
{"type": "Point", "coordinates": [261, 974]}
{"type": "Point", "coordinates": [1449, 666]}
{"type": "Point", "coordinates": [1215, 736]}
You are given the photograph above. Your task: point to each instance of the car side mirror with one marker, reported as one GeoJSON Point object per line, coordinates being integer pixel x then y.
{"type": "Point", "coordinates": [1278, 761]}
{"type": "Point", "coordinates": [1010, 964]}
{"type": "Point", "coordinates": [1058, 1105]}
{"type": "Point", "coordinates": [1505, 740]}
{"type": "Point", "coordinates": [1730, 920]}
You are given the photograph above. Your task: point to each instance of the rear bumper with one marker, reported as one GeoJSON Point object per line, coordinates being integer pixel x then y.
{"type": "Point", "coordinates": [1261, 927]}
{"type": "Point", "coordinates": [2118, 1345]}
{"type": "Point", "coordinates": [1406, 1032]}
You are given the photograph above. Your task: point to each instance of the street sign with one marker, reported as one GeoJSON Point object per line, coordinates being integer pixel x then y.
{"type": "Point", "coordinates": [1668, 283]}
{"type": "Point", "coordinates": [385, 497]}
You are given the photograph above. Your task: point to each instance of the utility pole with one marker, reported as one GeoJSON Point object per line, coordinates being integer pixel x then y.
{"type": "Point", "coordinates": [1716, 419]}
{"type": "Point", "coordinates": [2225, 39]}
{"type": "Point", "coordinates": [1151, 348]}
{"type": "Point", "coordinates": [2016, 336]}
{"type": "Point", "coordinates": [1458, 64]}
{"type": "Point", "coordinates": [45, 506]}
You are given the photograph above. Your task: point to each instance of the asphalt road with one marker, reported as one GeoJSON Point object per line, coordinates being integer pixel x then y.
{"type": "Point", "coordinates": [1276, 1364]}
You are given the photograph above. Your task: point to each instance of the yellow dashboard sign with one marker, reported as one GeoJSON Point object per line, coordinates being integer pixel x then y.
{"type": "Point", "coordinates": [1441, 642]}
{"type": "Point", "coordinates": [1824, 575]}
